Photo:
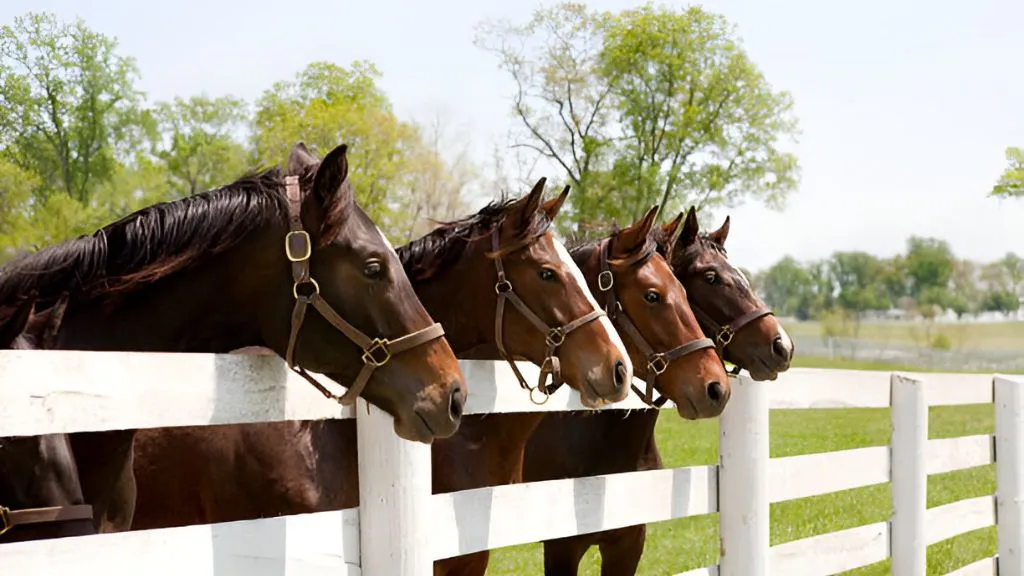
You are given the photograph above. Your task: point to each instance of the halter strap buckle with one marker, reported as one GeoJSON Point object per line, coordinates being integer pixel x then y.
{"type": "Point", "coordinates": [554, 337]}
{"type": "Point", "coordinates": [5, 520]}
{"type": "Point", "coordinates": [725, 336]}
{"type": "Point", "coordinates": [605, 281]}
{"type": "Point", "coordinates": [657, 364]}
{"type": "Point", "coordinates": [297, 241]}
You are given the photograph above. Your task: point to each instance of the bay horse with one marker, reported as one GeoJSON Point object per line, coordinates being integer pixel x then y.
{"type": "Point", "coordinates": [576, 444]}
{"type": "Point", "coordinates": [650, 309]}
{"type": "Point", "coordinates": [40, 496]}
{"type": "Point", "coordinates": [239, 266]}
{"type": "Point", "coordinates": [497, 278]}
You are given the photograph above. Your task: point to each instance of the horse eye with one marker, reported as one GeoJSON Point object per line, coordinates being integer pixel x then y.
{"type": "Point", "coordinates": [372, 269]}
{"type": "Point", "coordinates": [652, 297]}
{"type": "Point", "coordinates": [547, 274]}
{"type": "Point", "coordinates": [711, 277]}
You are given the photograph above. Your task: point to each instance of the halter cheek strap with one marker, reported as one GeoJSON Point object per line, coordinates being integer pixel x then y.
{"type": "Point", "coordinates": [376, 351]}
{"type": "Point", "coordinates": [553, 337]}
{"type": "Point", "coordinates": [725, 334]}
{"type": "Point", "coordinates": [657, 362]}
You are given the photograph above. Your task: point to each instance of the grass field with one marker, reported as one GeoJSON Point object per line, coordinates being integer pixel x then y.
{"type": "Point", "coordinates": [688, 543]}
{"type": "Point", "coordinates": [993, 336]}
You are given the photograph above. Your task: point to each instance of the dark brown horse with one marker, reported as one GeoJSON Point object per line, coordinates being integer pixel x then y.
{"type": "Point", "coordinates": [669, 351]}
{"type": "Point", "coordinates": [236, 267]}
{"type": "Point", "coordinates": [498, 278]}
{"type": "Point", "coordinates": [576, 444]}
{"type": "Point", "coordinates": [40, 496]}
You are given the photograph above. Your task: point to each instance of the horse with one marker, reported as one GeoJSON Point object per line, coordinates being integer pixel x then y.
{"type": "Point", "coordinates": [650, 309]}
{"type": "Point", "coordinates": [496, 278]}
{"type": "Point", "coordinates": [239, 266]}
{"type": "Point", "coordinates": [574, 444]}
{"type": "Point", "coordinates": [40, 496]}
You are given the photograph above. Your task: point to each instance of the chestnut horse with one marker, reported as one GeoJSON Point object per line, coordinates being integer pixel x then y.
{"type": "Point", "coordinates": [650, 309]}
{"type": "Point", "coordinates": [576, 444]}
{"type": "Point", "coordinates": [40, 496]}
{"type": "Point", "coordinates": [236, 267]}
{"type": "Point", "coordinates": [498, 278]}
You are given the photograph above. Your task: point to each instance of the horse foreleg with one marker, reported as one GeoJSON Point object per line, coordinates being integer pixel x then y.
{"type": "Point", "coordinates": [622, 549]}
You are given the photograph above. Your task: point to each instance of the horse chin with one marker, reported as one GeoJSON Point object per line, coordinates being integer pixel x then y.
{"type": "Point", "coordinates": [592, 402]}
{"type": "Point", "coordinates": [414, 429]}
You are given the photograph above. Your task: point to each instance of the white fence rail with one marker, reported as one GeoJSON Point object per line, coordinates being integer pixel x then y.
{"type": "Point", "coordinates": [400, 528]}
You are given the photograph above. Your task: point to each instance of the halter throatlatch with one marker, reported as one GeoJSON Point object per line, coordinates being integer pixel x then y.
{"type": "Point", "coordinates": [376, 351]}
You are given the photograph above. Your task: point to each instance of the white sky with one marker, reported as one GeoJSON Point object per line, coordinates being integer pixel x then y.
{"type": "Point", "coordinates": [905, 107]}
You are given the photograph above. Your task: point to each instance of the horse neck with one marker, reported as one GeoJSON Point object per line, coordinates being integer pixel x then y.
{"type": "Point", "coordinates": [461, 299]}
{"type": "Point", "coordinates": [213, 306]}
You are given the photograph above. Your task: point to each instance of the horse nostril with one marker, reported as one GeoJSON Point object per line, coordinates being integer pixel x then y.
{"type": "Point", "coordinates": [620, 374]}
{"type": "Point", "coordinates": [456, 402]}
{"type": "Point", "coordinates": [716, 392]}
{"type": "Point", "coordinates": [779, 348]}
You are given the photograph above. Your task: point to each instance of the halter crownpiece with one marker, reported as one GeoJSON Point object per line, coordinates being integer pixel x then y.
{"type": "Point", "coordinates": [553, 337]}
{"type": "Point", "coordinates": [377, 352]}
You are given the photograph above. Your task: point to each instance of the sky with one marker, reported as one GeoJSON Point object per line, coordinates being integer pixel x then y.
{"type": "Point", "coordinates": [905, 108]}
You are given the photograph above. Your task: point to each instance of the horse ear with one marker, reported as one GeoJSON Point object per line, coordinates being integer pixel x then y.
{"type": "Point", "coordinates": [531, 203]}
{"type": "Point", "coordinates": [331, 181]}
{"type": "Point", "coordinates": [691, 228]}
{"type": "Point", "coordinates": [15, 323]}
{"type": "Point", "coordinates": [300, 159]}
{"type": "Point", "coordinates": [719, 236]}
{"type": "Point", "coordinates": [667, 238]}
{"type": "Point", "coordinates": [635, 235]}
{"type": "Point", "coordinates": [551, 207]}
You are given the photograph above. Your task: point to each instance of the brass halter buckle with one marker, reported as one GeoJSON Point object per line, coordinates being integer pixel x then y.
{"type": "Point", "coordinates": [5, 520]}
{"type": "Point", "coordinates": [306, 248]}
{"type": "Point", "coordinates": [657, 364]}
{"type": "Point", "coordinates": [554, 337]}
{"type": "Point", "coordinates": [605, 281]}
{"type": "Point", "coordinates": [725, 336]}
{"type": "Point", "coordinates": [379, 345]}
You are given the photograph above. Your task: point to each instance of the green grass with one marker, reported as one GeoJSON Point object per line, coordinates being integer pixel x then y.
{"type": "Point", "coordinates": [992, 336]}
{"type": "Point", "coordinates": [689, 543]}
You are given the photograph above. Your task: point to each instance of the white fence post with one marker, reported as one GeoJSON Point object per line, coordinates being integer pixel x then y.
{"type": "Point", "coordinates": [743, 480]}
{"type": "Point", "coordinates": [908, 547]}
{"type": "Point", "coordinates": [394, 498]}
{"type": "Point", "coordinates": [1009, 398]}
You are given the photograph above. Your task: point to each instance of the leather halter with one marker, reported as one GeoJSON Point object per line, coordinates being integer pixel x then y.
{"type": "Point", "coordinates": [725, 334]}
{"type": "Point", "coordinates": [657, 362]}
{"type": "Point", "coordinates": [553, 337]}
{"type": "Point", "coordinates": [376, 351]}
{"type": "Point", "coordinates": [11, 518]}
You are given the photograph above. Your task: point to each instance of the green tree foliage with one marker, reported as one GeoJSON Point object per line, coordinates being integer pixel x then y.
{"type": "Point", "coordinates": [929, 266]}
{"type": "Point", "coordinates": [788, 288]}
{"type": "Point", "coordinates": [327, 104]}
{"type": "Point", "coordinates": [857, 277]}
{"type": "Point", "coordinates": [649, 105]}
{"type": "Point", "coordinates": [1011, 183]}
{"type": "Point", "coordinates": [68, 102]}
{"type": "Point", "coordinates": [197, 143]}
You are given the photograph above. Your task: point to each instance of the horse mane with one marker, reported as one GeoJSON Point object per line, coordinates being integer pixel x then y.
{"type": "Point", "coordinates": [444, 245]}
{"type": "Point", "coordinates": [149, 244]}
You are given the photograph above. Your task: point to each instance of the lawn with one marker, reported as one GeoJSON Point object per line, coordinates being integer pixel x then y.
{"type": "Point", "coordinates": [689, 543]}
{"type": "Point", "coordinates": [991, 336]}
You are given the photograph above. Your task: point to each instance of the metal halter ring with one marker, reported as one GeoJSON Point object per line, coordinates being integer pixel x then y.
{"type": "Point", "coordinates": [554, 337]}
{"type": "Point", "coordinates": [306, 297]}
{"type": "Point", "coordinates": [307, 245]}
{"type": "Point", "coordinates": [657, 363]}
{"type": "Point", "coordinates": [725, 336]}
{"type": "Point", "coordinates": [503, 287]}
{"type": "Point", "coordinates": [605, 281]}
{"type": "Point", "coordinates": [378, 344]}
{"type": "Point", "coordinates": [544, 395]}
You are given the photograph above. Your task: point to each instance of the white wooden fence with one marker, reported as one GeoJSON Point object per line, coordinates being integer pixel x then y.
{"type": "Point", "coordinates": [400, 528]}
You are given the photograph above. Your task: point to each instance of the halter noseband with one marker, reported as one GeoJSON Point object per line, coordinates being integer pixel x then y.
{"type": "Point", "coordinates": [725, 334]}
{"type": "Point", "coordinates": [657, 362]}
{"type": "Point", "coordinates": [553, 337]}
{"type": "Point", "coordinates": [376, 351]}
{"type": "Point", "coordinates": [11, 518]}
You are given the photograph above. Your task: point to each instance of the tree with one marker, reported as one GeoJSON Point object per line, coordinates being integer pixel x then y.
{"type": "Point", "coordinates": [1011, 183]}
{"type": "Point", "coordinates": [197, 144]}
{"type": "Point", "coordinates": [645, 106]}
{"type": "Point", "coordinates": [966, 293]}
{"type": "Point", "coordinates": [857, 276]}
{"type": "Point", "coordinates": [326, 105]}
{"type": "Point", "coordinates": [929, 265]}
{"type": "Point", "coordinates": [68, 101]}
{"type": "Point", "coordinates": [788, 289]}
